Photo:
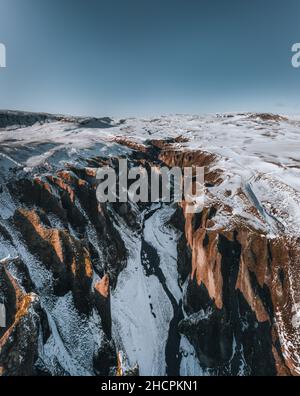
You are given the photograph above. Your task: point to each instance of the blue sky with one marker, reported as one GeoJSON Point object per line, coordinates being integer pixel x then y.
{"type": "Point", "coordinates": [149, 57]}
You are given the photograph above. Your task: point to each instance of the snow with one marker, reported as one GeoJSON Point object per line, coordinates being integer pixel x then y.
{"type": "Point", "coordinates": [164, 239]}
{"type": "Point", "coordinates": [74, 338]}
{"type": "Point", "coordinates": [189, 365]}
{"type": "Point", "coordinates": [141, 336]}
{"type": "Point", "coordinates": [7, 206]}
{"type": "Point", "coordinates": [247, 148]}
{"type": "Point", "coordinates": [261, 158]}
{"type": "Point", "coordinates": [296, 316]}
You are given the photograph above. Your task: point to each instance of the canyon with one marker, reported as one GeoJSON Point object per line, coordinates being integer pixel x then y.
{"type": "Point", "coordinates": [131, 288]}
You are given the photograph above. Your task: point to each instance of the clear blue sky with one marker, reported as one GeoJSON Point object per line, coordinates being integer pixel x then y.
{"type": "Point", "coordinates": [146, 57]}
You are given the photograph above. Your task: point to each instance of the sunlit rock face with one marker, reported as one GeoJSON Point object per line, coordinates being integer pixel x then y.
{"type": "Point", "coordinates": [149, 289]}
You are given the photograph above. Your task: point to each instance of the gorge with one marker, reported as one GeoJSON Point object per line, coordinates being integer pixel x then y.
{"type": "Point", "coordinates": [131, 288]}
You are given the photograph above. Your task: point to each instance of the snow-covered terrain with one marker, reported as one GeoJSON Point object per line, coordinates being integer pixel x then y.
{"type": "Point", "coordinates": [251, 150]}
{"type": "Point", "coordinates": [256, 158]}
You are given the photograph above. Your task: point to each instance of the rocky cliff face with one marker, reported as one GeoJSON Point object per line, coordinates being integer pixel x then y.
{"type": "Point", "coordinates": [150, 289]}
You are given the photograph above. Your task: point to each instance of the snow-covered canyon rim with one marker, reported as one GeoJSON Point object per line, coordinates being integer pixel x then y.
{"type": "Point", "coordinates": [94, 289]}
{"type": "Point", "coordinates": [248, 147]}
